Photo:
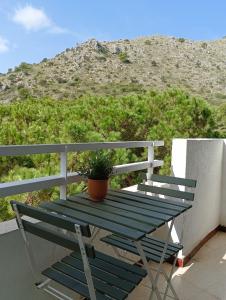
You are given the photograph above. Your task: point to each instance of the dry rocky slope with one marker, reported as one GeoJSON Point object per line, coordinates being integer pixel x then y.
{"type": "Point", "coordinates": [123, 66]}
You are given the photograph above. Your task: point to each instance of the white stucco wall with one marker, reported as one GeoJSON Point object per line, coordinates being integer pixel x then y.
{"type": "Point", "coordinates": [200, 159]}
{"type": "Point", "coordinates": [223, 187]}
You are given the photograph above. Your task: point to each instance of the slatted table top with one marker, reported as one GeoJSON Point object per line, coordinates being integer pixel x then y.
{"type": "Point", "coordinates": [130, 214]}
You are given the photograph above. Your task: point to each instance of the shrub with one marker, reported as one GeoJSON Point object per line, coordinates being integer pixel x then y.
{"type": "Point", "coordinates": [123, 56]}
{"type": "Point", "coordinates": [61, 80]}
{"type": "Point", "coordinates": [181, 40]}
{"type": "Point", "coordinates": [24, 93]}
{"type": "Point", "coordinates": [147, 42]}
{"type": "Point", "coordinates": [101, 58]}
{"type": "Point", "coordinates": [23, 67]}
{"type": "Point", "coordinates": [204, 45]}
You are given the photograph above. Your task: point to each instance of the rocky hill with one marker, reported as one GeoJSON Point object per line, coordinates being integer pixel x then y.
{"type": "Point", "coordinates": [119, 67]}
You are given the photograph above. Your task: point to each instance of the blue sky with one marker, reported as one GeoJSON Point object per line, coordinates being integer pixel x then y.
{"type": "Point", "coordinates": [32, 30]}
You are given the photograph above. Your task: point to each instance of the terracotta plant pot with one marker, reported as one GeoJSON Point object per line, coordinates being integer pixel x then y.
{"type": "Point", "coordinates": [97, 189]}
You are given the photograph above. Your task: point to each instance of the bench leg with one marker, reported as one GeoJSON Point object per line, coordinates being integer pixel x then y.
{"type": "Point", "coordinates": [168, 280]}
{"type": "Point", "coordinates": [160, 269]}
{"type": "Point", "coordinates": [146, 266]}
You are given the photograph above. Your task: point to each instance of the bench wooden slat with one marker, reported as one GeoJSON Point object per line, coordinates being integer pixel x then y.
{"type": "Point", "coordinates": [131, 268]}
{"type": "Point", "coordinates": [101, 274]}
{"type": "Point", "coordinates": [55, 237]}
{"type": "Point", "coordinates": [113, 269]}
{"type": "Point", "coordinates": [53, 219]}
{"type": "Point", "coordinates": [166, 191]}
{"type": "Point", "coordinates": [153, 248]}
{"type": "Point", "coordinates": [101, 286]}
{"type": "Point", "coordinates": [173, 180]}
{"type": "Point", "coordinates": [71, 283]}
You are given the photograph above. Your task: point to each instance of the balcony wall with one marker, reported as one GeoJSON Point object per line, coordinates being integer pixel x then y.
{"type": "Point", "coordinates": [204, 160]}
{"type": "Point", "coordinates": [223, 187]}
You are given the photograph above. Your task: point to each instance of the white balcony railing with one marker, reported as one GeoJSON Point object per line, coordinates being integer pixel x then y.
{"type": "Point", "coordinates": [65, 177]}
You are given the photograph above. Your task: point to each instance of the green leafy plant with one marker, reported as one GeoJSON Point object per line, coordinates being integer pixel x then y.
{"type": "Point", "coordinates": [99, 166]}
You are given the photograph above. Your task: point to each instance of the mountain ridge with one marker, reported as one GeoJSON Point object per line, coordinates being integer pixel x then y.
{"type": "Point", "coordinates": [123, 66]}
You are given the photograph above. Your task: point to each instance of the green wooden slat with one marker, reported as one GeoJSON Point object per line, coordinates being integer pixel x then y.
{"type": "Point", "coordinates": [53, 219]}
{"type": "Point", "coordinates": [99, 285]}
{"type": "Point", "coordinates": [152, 247]}
{"type": "Point", "coordinates": [130, 248]}
{"type": "Point", "coordinates": [161, 243]}
{"type": "Point", "coordinates": [146, 248]}
{"type": "Point", "coordinates": [156, 249]}
{"type": "Point", "coordinates": [134, 278]}
{"type": "Point", "coordinates": [55, 237]}
{"type": "Point", "coordinates": [96, 221]}
{"type": "Point", "coordinates": [101, 274]}
{"type": "Point", "coordinates": [136, 203]}
{"type": "Point", "coordinates": [70, 283]}
{"type": "Point", "coordinates": [91, 210]}
{"type": "Point", "coordinates": [155, 201]}
{"type": "Point", "coordinates": [131, 268]}
{"type": "Point", "coordinates": [166, 192]}
{"type": "Point", "coordinates": [174, 180]}
{"type": "Point", "coordinates": [173, 202]}
{"type": "Point", "coordinates": [104, 207]}
{"type": "Point", "coordinates": [158, 219]}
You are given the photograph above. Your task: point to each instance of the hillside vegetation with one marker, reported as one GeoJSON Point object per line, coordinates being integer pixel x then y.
{"type": "Point", "coordinates": [124, 66]}
{"type": "Point", "coordinates": [149, 116]}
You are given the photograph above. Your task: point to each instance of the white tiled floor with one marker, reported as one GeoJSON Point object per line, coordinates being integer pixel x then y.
{"type": "Point", "coordinates": [204, 277]}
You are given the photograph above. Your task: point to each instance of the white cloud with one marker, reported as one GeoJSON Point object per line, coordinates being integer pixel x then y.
{"type": "Point", "coordinates": [4, 45]}
{"type": "Point", "coordinates": [34, 19]}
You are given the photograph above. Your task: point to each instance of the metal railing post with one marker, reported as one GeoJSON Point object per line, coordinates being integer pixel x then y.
{"type": "Point", "coordinates": [63, 172]}
{"type": "Point", "coordinates": [150, 161]}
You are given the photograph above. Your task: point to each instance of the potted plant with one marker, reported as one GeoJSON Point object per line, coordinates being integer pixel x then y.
{"type": "Point", "coordinates": [98, 170]}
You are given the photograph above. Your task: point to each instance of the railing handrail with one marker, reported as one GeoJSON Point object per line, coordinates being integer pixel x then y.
{"type": "Point", "coordinates": [64, 178]}
{"type": "Point", "coordinates": [14, 150]}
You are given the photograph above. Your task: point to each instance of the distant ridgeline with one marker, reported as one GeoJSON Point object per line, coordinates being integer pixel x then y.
{"type": "Point", "coordinates": [120, 67]}
{"type": "Point", "coordinates": [148, 116]}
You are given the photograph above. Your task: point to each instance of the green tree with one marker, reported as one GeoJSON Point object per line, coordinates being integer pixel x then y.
{"type": "Point", "coordinates": [148, 115]}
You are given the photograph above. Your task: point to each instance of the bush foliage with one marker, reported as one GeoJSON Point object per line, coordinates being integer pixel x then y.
{"type": "Point", "coordinates": [148, 116]}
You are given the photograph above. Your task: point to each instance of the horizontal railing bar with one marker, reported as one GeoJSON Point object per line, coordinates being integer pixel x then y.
{"type": "Point", "coordinates": [30, 185]}
{"type": "Point", "coordinates": [157, 163]}
{"type": "Point", "coordinates": [74, 177]}
{"type": "Point", "coordinates": [130, 167]}
{"type": "Point", "coordinates": [14, 150]}
{"type": "Point", "coordinates": [30, 149]}
{"type": "Point", "coordinates": [158, 143]}
{"type": "Point", "coordinates": [41, 183]}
